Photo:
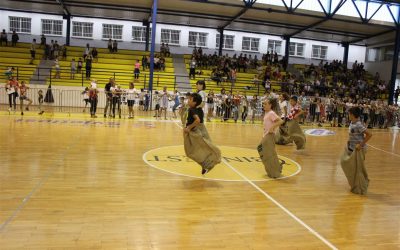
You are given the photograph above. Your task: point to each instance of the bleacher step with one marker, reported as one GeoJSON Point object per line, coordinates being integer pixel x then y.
{"type": "Point", "coordinates": [182, 78]}
{"type": "Point", "coordinates": [42, 72]}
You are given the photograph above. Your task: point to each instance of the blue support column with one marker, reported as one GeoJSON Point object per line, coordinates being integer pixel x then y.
{"type": "Point", "coordinates": [147, 24]}
{"type": "Point", "coordinates": [394, 65]}
{"type": "Point", "coordinates": [221, 41]}
{"type": "Point", "coordinates": [152, 49]}
{"type": "Point", "coordinates": [68, 36]}
{"type": "Point", "coordinates": [287, 48]}
{"type": "Point", "coordinates": [346, 53]}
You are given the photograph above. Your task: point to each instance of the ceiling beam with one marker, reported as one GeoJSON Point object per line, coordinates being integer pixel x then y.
{"type": "Point", "coordinates": [247, 5]}
{"type": "Point", "coordinates": [372, 36]}
{"type": "Point", "coordinates": [65, 10]}
{"type": "Point", "coordinates": [328, 17]}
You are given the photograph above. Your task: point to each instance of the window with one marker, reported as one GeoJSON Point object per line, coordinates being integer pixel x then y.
{"type": "Point", "coordinates": [52, 27]}
{"type": "Point", "coordinates": [139, 34]}
{"type": "Point", "coordinates": [227, 43]}
{"type": "Point", "coordinates": [82, 29]}
{"type": "Point", "coordinates": [372, 54]}
{"type": "Point", "coordinates": [250, 43]}
{"type": "Point", "coordinates": [20, 24]}
{"type": "Point", "coordinates": [319, 51]}
{"type": "Point", "coordinates": [275, 46]}
{"type": "Point", "coordinates": [112, 31]}
{"type": "Point", "coordinates": [296, 49]}
{"type": "Point", "coordinates": [198, 39]}
{"type": "Point", "coordinates": [170, 36]}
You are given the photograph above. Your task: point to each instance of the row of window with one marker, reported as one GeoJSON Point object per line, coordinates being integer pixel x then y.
{"type": "Point", "coordinates": [198, 39]}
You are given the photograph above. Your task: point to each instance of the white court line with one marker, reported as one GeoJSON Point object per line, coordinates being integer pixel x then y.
{"type": "Point", "coordinates": [383, 150]}
{"type": "Point", "coordinates": [282, 207]}
{"type": "Point", "coordinates": [312, 231]}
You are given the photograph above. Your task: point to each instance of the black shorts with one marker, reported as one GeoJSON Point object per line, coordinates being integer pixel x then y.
{"type": "Point", "coordinates": [131, 103]}
{"type": "Point", "coordinates": [157, 106]}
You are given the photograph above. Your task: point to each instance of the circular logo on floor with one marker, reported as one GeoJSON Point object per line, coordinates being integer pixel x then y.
{"type": "Point", "coordinates": [172, 159]}
{"type": "Point", "coordinates": [319, 132]}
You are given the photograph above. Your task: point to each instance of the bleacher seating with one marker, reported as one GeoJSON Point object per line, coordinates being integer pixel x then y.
{"type": "Point", "coordinates": [19, 57]}
{"type": "Point", "coordinates": [244, 81]}
{"type": "Point", "coordinates": [118, 65]}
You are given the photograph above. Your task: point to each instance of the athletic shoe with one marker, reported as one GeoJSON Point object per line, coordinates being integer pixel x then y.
{"type": "Point", "coordinates": [22, 113]}
{"type": "Point", "coordinates": [204, 171]}
{"type": "Point", "coordinates": [27, 109]}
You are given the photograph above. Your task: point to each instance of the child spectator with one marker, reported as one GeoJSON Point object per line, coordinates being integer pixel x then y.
{"type": "Point", "coordinates": [85, 94]}
{"type": "Point", "coordinates": [80, 64]}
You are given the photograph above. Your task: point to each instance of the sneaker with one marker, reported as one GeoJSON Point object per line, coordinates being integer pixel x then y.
{"type": "Point", "coordinates": [27, 109]}
{"type": "Point", "coordinates": [204, 171]}
{"type": "Point", "coordinates": [22, 113]}
{"type": "Point", "coordinates": [105, 116]}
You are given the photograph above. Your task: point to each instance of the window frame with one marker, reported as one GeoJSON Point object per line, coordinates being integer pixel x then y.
{"type": "Point", "coordinates": [112, 31]}
{"type": "Point", "coordinates": [296, 44]}
{"type": "Point", "coordinates": [82, 30]}
{"type": "Point", "coordinates": [144, 34]}
{"type": "Point", "coordinates": [170, 31]}
{"type": "Point", "coordinates": [251, 41]}
{"type": "Point", "coordinates": [320, 50]}
{"type": "Point", "coordinates": [274, 46]}
{"type": "Point", "coordinates": [224, 42]}
{"type": "Point", "coordinates": [19, 28]}
{"type": "Point", "coordinates": [52, 21]}
{"type": "Point", "coordinates": [197, 40]}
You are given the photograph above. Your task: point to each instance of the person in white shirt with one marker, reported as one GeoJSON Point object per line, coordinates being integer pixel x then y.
{"type": "Point", "coordinates": [201, 86]}
{"type": "Point", "coordinates": [164, 102]}
{"type": "Point", "coordinates": [131, 95]}
{"type": "Point", "coordinates": [283, 104]}
{"type": "Point", "coordinates": [116, 99]}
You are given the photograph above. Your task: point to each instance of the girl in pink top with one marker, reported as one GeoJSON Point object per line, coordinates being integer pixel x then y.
{"type": "Point", "coordinates": [137, 69]}
{"type": "Point", "coordinates": [266, 149]}
{"type": "Point", "coordinates": [271, 119]}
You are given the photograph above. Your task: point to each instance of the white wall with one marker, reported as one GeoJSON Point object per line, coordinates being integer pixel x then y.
{"type": "Point", "coordinates": [384, 68]}
{"type": "Point", "coordinates": [335, 50]}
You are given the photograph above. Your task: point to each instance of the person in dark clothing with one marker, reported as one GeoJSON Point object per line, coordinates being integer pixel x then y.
{"type": "Point", "coordinates": [14, 39]}
{"type": "Point", "coordinates": [88, 66]}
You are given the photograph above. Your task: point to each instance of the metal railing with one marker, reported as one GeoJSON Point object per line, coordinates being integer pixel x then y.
{"type": "Point", "coordinates": [123, 78]}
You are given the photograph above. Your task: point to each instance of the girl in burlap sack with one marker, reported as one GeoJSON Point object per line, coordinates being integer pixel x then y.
{"type": "Point", "coordinates": [266, 149]}
{"type": "Point", "coordinates": [197, 142]}
{"type": "Point", "coordinates": [295, 132]}
{"type": "Point", "coordinates": [352, 160]}
{"type": "Point", "coordinates": [281, 136]}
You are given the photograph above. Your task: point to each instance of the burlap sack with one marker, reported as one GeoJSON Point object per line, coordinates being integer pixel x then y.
{"type": "Point", "coordinates": [268, 155]}
{"type": "Point", "coordinates": [200, 149]}
{"type": "Point", "coordinates": [204, 131]}
{"type": "Point", "coordinates": [282, 137]}
{"type": "Point", "coordinates": [296, 134]}
{"type": "Point", "coordinates": [353, 167]}
{"type": "Point", "coordinates": [184, 115]}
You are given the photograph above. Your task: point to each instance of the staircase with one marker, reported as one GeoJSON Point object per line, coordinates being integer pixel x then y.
{"type": "Point", "coordinates": [182, 76]}
{"type": "Point", "coordinates": [42, 72]}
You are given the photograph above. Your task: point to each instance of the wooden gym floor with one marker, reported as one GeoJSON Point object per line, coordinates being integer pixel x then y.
{"type": "Point", "coordinates": [69, 183]}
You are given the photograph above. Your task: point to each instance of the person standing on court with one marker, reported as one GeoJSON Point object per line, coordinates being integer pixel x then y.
{"type": "Point", "coordinates": [353, 158]}
{"type": "Point", "coordinates": [201, 87]}
{"type": "Point", "coordinates": [93, 98]}
{"type": "Point", "coordinates": [23, 96]}
{"type": "Point", "coordinates": [266, 149]}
